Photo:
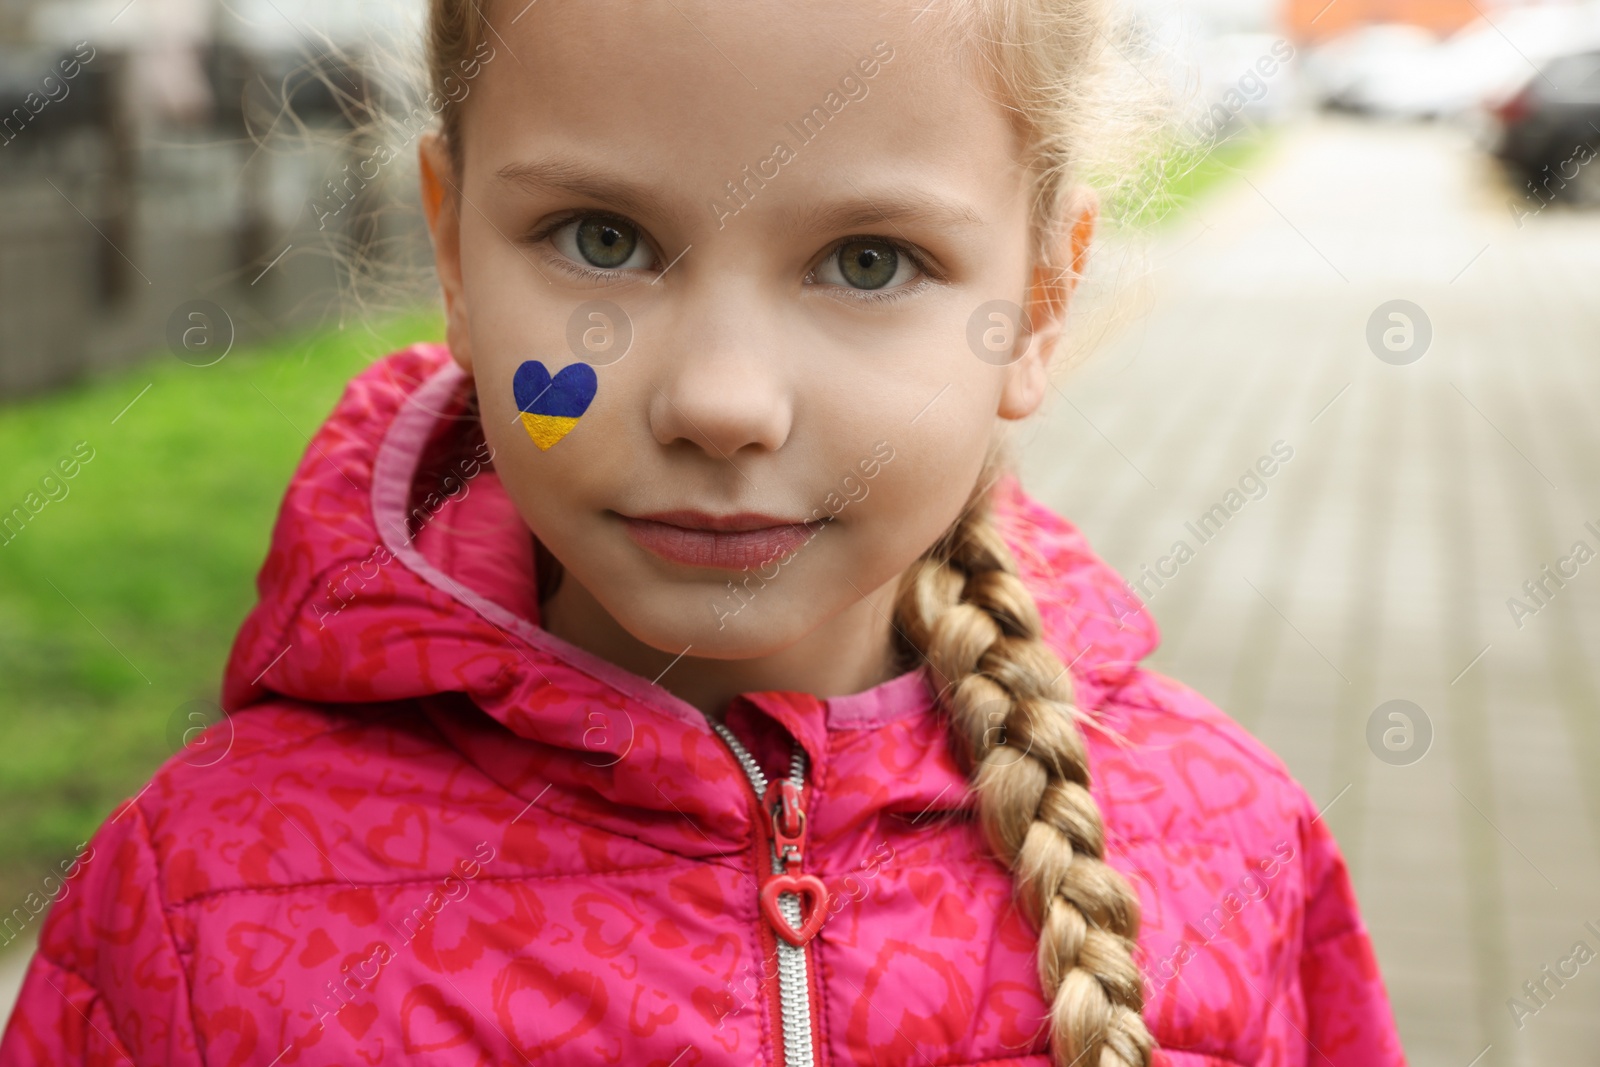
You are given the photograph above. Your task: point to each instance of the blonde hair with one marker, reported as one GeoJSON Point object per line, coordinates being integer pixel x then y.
{"type": "Point", "coordinates": [963, 607]}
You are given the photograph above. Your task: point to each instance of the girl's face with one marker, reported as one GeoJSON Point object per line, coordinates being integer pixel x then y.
{"type": "Point", "coordinates": [793, 215]}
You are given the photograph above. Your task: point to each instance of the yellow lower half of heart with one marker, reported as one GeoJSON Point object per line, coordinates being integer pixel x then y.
{"type": "Point", "coordinates": [546, 430]}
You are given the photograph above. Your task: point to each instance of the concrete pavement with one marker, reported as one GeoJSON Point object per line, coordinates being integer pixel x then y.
{"type": "Point", "coordinates": [1378, 563]}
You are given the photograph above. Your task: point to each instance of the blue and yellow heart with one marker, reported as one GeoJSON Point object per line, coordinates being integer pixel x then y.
{"type": "Point", "coordinates": [550, 406]}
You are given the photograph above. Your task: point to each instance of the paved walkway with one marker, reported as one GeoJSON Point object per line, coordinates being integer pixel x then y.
{"type": "Point", "coordinates": [1378, 563]}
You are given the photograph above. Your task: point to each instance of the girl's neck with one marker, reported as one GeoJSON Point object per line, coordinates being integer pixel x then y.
{"type": "Point", "coordinates": [852, 652]}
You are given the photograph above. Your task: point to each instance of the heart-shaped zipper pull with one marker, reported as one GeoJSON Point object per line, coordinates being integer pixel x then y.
{"type": "Point", "coordinates": [788, 838]}
{"type": "Point", "coordinates": [814, 911]}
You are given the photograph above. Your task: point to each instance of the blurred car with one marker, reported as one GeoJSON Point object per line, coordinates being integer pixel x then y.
{"type": "Point", "coordinates": [1348, 72]}
{"type": "Point", "coordinates": [1550, 130]}
{"type": "Point", "coordinates": [1401, 71]}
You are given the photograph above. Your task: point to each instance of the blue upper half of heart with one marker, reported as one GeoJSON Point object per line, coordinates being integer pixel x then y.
{"type": "Point", "coordinates": [567, 395]}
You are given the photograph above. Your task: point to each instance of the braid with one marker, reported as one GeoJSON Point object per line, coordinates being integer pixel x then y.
{"type": "Point", "coordinates": [965, 609]}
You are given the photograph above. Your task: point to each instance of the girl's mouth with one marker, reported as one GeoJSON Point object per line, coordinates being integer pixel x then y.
{"type": "Point", "coordinates": [724, 542]}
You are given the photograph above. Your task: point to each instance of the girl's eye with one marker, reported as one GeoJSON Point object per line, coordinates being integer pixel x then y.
{"type": "Point", "coordinates": [603, 241]}
{"type": "Point", "coordinates": [867, 263]}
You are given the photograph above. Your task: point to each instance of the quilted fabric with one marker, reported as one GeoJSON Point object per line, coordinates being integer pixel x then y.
{"type": "Point", "coordinates": [430, 829]}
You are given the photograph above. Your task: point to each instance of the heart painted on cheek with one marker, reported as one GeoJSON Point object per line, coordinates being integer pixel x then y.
{"type": "Point", "coordinates": [550, 406]}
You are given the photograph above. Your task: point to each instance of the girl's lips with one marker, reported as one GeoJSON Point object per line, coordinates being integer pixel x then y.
{"type": "Point", "coordinates": [724, 542]}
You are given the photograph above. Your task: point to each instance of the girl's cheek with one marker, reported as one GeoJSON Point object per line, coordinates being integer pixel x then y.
{"type": "Point", "coordinates": [924, 487]}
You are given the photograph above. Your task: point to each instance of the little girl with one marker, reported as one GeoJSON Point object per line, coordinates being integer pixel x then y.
{"type": "Point", "coordinates": [665, 671]}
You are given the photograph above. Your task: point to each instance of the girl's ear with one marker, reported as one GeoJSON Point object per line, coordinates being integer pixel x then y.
{"type": "Point", "coordinates": [441, 200]}
{"type": "Point", "coordinates": [1049, 291]}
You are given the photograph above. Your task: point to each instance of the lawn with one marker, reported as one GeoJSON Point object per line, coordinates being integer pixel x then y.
{"type": "Point", "coordinates": [120, 599]}
{"type": "Point", "coordinates": [1180, 173]}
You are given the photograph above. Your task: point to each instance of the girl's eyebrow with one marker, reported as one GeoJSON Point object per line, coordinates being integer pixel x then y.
{"type": "Point", "coordinates": [910, 206]}
{"type": "Point", "coordinates": [575, 176]}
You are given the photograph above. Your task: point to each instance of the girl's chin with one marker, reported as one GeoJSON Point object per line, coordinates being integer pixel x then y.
{"type": "Point", "coordinates": [715, 623]}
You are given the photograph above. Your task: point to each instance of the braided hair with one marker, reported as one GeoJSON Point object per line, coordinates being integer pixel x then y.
{"type": "Point", "coordinates": [963, 607]}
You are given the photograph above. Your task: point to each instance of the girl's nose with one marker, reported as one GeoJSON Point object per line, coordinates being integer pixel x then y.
{"type": "Point", "coordinates": [723, 384]}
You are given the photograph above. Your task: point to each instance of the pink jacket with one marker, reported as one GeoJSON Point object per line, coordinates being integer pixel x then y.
{"type": "Point", "coordinates": [432, 830]}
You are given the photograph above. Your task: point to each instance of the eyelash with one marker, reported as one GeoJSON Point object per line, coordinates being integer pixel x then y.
{"type": "Point", "coordinates": [882, 296]}
{"type": "Point", "coordinates": [865, 296]}
{"type": "Point", "coordinates": [572, 267]}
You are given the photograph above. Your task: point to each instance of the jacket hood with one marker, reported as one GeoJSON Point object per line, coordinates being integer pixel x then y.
{"type": "Point", "coordinates": [399, 569]}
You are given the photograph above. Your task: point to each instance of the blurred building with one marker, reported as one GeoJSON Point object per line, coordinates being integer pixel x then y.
{"type": "Point", "coordinates": [158, 152]}
{"type": "Point", "coordinates": [1317, 20]}
{"type": "Point", "coordinates": [1310, 21]}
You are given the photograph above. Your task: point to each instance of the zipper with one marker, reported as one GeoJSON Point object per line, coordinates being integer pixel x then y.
{"type": "Point", "coordinates": [782, 801]}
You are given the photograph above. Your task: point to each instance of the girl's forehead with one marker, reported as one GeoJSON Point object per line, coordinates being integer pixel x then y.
{"type": "Point", "coordinates": [706, 89]}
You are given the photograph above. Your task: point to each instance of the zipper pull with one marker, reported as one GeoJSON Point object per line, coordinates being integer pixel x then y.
{"type": "Point", "coordinates": [788, 834]}
{"type": "Point", "coordinates": [788, 823]}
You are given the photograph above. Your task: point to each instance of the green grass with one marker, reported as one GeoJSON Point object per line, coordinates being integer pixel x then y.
{"type": "Point", "coordinates": [1179, 174]}
{"type": "Point", "coordinates": [118, 603]}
